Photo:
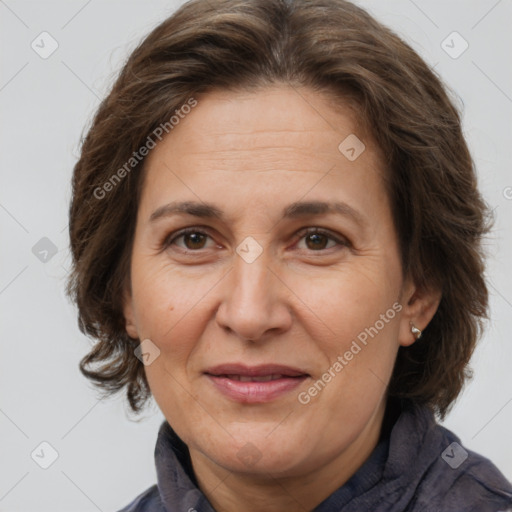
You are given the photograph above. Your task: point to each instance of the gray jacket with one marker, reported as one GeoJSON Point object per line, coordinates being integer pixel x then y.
{"type": "Point", "coordinates": [417, 466]}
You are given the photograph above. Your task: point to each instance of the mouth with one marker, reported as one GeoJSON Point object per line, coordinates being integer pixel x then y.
{"type": "Point", "coordinates": [255, 384]}
{"type": "Point", "coordinates": [247, 378]}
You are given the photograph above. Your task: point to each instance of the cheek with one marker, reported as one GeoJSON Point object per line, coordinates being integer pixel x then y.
{"type": "Point", "coordinates": [167, 306]}
{"type": "Point", "coordinates": [339, 307]}
{"type": "Point", "coordinates": [170, 311]}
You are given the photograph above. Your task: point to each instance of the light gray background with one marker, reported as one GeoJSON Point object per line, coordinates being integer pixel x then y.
{"type": "Point", "coordinates": [106, 459]}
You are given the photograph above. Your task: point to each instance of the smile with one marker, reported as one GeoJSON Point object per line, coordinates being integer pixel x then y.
{"type": "Point", "coordinates": [257, 384]}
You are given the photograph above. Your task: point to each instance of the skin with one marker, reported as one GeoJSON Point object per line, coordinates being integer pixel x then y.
{"type": "Point", "coordinates": [301, 303]}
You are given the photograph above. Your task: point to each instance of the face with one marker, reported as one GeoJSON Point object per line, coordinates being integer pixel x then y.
{"type": "Point", "coordinates": [277, 324]}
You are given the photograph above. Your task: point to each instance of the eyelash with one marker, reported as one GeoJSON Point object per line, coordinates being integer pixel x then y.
{"type": "Point", "coordinates": [170, 239]}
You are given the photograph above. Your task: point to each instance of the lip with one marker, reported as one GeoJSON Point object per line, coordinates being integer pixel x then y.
{"type": "Point", "coordinates": [225, 379]}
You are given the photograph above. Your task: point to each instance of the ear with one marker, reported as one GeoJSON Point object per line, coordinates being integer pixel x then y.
{"type": "Point", "coordinates": [129, 313]}
{"type": "Point", "coordinates": [418, 307]}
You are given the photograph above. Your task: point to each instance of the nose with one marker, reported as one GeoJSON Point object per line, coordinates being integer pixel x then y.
{"type": "Point", "coordinates": [255, 301]}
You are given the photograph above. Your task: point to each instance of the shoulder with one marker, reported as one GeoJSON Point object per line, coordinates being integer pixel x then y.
{"type": "Point", "coordinates": [462, 480]}
{"type": "Point", "coordinates": [148, 501]}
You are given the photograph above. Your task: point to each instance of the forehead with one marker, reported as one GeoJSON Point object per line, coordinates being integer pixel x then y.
{"type": "Point", "coordinates": [248, 120]}
{"type": "Point", "coordinates": [278, 138]}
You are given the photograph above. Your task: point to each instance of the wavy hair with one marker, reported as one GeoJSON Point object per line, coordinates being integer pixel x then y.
{"type": "Point", "coordinates": [326, 45]}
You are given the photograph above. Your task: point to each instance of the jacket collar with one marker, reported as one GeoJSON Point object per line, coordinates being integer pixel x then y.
{"type": "Point", "coordinates": [406, 458]}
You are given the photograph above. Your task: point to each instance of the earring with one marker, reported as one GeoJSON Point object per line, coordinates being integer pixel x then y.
{"type": "Point", "coordinates": [415, 331]}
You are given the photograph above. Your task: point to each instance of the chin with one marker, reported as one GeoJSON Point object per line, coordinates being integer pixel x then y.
{"type": "Point", "coordinates": [256, 453]}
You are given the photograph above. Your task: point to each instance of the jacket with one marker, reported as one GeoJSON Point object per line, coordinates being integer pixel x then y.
{"type": "Point", "coordinates": [417, 466]}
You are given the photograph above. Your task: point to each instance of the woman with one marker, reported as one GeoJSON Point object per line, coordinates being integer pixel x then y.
{"type": "Point", "coordinates": [276, 230]}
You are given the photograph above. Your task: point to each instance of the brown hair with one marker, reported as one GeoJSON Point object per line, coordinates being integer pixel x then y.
{"type": "Point", "coordinates": [327, 45]}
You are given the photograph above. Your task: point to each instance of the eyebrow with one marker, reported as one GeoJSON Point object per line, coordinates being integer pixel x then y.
{"type": "Point", "coordinates": [294, 210]}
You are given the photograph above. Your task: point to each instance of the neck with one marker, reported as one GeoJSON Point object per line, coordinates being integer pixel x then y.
{"type": "Point", "coordinates": [228, 491]}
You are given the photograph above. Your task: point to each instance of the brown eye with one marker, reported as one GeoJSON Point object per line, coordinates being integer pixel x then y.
{"type": "Point", "coordinates": [317, 240]}
{"type": "Point", "coordinates": [192, 239]}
